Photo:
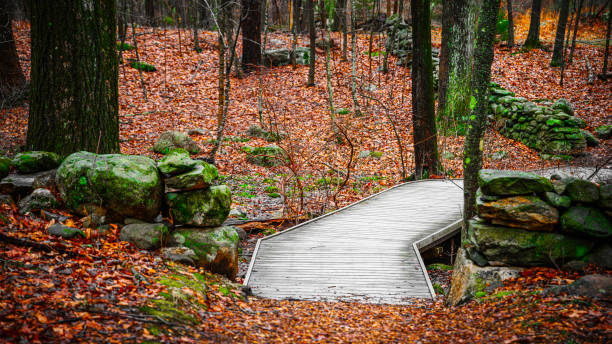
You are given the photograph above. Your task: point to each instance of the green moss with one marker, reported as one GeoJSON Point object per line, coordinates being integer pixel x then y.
{"type": "Point", "coordinates": [274, 195]}
{"type": "Point", "coordinates": [439, 266]}
{"type": "Point", "coordinates": [168, 311]}
{"type": "Point", "coordinates": [438, 289]}
{"type": "Point", "coordinates": [143, 66]}
{"type": "Point", "coordinates": [480, 294]}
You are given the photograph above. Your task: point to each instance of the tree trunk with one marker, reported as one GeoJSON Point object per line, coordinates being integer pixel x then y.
{"type": "Point", "coordinates": [424, 128]}
{"type": "Point", "coordinates": [557, 56]}
{"type": "Point", "coordinates": [251, 35]}
{"type": "Point", "coordinates": [11, 75]}
{"type": "Point", "coordinates": [604, 71]}
{"type": "Point", "coordinates": [339, 14]}
{"type": "Point", "coordinates": [533, 37]}
{"type": "Point", "coordinates": [313, 38]}
{"type": "Point", "coordinates": [73, 97]}
{"type": "Point", "coordinates": [472, 151]}
{"type": "Point", "coordinates": [458, 90]}
{"type": "Point", "coordinates": [152, 12]}
{"type": "Point", "coordinates": [294, 30]}
{"type": "Point", "coordinates": [447, 23]}
{"type": "Point", "coordinates": [577, 23]}
{"type": "Point", "coordinates": [356, 107]}
{"type": "Point", "coordinates": [510, 24]}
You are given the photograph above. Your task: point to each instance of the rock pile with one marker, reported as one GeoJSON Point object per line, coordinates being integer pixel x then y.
{"type": "Point", "coordinates": [550, 128]}
{"type": "Point", "coordinates": [527, 220]}
{"type": "Point", "coordinates": [134, 190]}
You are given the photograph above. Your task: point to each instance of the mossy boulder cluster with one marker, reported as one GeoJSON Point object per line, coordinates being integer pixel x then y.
{"type": "Point", "coordinates": [282, 57]}
{"type": "Point", "coordinates": [267, 156]}
{"type": "Point", "coordinates": [134, 190]}
{"type": "Point", "coordinates": [171, 140]}
{"type": "Point", "coordinates": [548, 127]}
{"type": "Point", "coordinates": [528, 220]}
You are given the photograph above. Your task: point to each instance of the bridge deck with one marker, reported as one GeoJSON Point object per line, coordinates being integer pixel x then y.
{"type": "Point", "coordinates": [365, 252]}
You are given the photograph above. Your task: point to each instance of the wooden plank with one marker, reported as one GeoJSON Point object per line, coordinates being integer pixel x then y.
{"type": "Point", "coordinates": [363, 252]}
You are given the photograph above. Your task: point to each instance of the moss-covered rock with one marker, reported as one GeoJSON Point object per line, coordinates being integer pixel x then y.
{"type": "Point", "coordinates": [124, 185]}
{"type": "Point", "coordinates": [527, 212]}
{"type": "Point", "coordinates": [201, 208]}
{"type": "Point", "coordinates": [557, 201]}
{"type": "Point", "coordinates": [21, 185]}
{"type": "Point", "coordinates": [64, 231]}
{"type": "Point", "coordinates": [171, 140]}
{"type": "Point", "coordinates": [605, 197]}
{"type": "Point", "coordinates": [5, 166]}
{"type": "Point", "coordinates": [216, 248]}
{"type": "Point", "coordinates": [39, 199]}
{"type": "Point", "coordinates": [145, 236]}
{"type": "Point", "coordinates": [175, 162]}
{"type": "Point", "coordinates": [564, 105]}
{"type": "Point", "coordinates": [585, 221]}
{"type": "Point", "coordinates": [201, 177]}
{"type": "Point", "coordinates": [511, 183]}
{"type": "Point", "coordinates": [591, 140]}
{"type": "Point", "coordinates": [583, 191]}
{"type": "Point", "coordinates": [519, 247]}
{"type": "Point", "coordinates": [469, 280]}
{"type": "Point", "coordinates": [604, 132]}
{"type": "Point", "coordinates": [267, 156]}
{"type": "Point", "coordinates": [36, 161]}
{"type": "Point", "coordinates": [601, 255]}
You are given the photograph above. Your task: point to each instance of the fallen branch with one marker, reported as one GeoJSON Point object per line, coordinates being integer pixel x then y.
{"type": "Point", "coordinates": [590, 77]}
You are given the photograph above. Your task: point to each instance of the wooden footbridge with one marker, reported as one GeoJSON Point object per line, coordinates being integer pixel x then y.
{"type": "Point", "coordinates": [367, 251]}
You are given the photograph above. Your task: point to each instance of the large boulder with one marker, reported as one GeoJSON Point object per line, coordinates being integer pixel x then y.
{"type": "Point", "coordinates": [38, 200]}
{"type": "Point", "coordinates": [171, 140]}
{"type": "Point", "coordinates": [179, 254]}
{"type": "Point", "coordinates": [585, 221]}
{"type": "Point", "coordinates": [511, 183]}
{"type": "Point", "coordinates": [201, 208]}
{"type": "Point", "coordinates": [124, 185]}
{"type": "Point", "coordinates": [604, 132]}
{"type": "Point", "coordinates": [519, 247]}
{"type": "Point", "coordinates": [601, 255]}
{"type": "Point", "coordinates": [21, 185]}
{"type": "Point", "coordinates": [605, 197]}
{"type": "Point", "coordinates": [469, 280]}
{"type": "Point", "coordinates": [591, 286]}
{"type": "Point", "coordinates": [216, 248]}
{"type": "Point", "coordinates": [36, 161]}
{"type": "Point", "coordinates": [5, 166]}
{"type": "Point", "coordinates": [527, 212]}
{"type": "Point", "coordinates": [145, 236]}
{"type": "Point", "coordinates": [268, 156]}
{"type": "Point", "coordinates": [583, 191]}
{"type": "Point", "coordinates": [556, 200]}
{"type": "Point", "coordinates": [201, 177]}
{"type": "Point", "coordinates": [177, 161]}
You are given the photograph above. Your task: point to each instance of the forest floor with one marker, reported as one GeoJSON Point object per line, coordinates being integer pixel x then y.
{"type": "Point", "coordinates": [97, 288]}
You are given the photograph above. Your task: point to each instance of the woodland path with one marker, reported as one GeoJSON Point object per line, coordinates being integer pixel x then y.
{"type": "Point", "coordinates": [369, 250]}
{"type": "Point", "coordinates": [365, 252]}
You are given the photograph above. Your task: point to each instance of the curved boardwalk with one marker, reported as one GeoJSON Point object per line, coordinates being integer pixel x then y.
{"type": "Point", "coordinates": [364, 252]}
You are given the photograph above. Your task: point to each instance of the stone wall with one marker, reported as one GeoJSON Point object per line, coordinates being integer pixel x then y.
{"type": "Point", "coordinates": [550, 128]}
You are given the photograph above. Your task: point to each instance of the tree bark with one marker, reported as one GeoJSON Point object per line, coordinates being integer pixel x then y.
{"type": "Point", "coordinates": [604, 70]}
{"type": "Point", "coordinates": [473, 146]}
{"type": "Point", "coordinates": [73, 97]}
{"type": "Point", "coordinates": [557, 56]}
{"type": "Point", "coordinates": [356, 107]}
{"type": "Point", "coordinates": [458, 90]}
{"type": "Point", "coordinates": [424, 128]}
{"type": "Point", "coordinates": [313, 38]}
{"type": "Point", "coordinates": [533, 36]}
{"type": "Point", "coordinates": [510, 24]}
{"type": "Point", "coordinates": [251, 35]}
{"type": "Point", "coordinates": [294, 31]}
{"type": "Point", "coordinates": [11, 75]}
{"type": "Point", "coordinates": [576, 24]}
{"type": "Point", "coordinates": [447, 23]}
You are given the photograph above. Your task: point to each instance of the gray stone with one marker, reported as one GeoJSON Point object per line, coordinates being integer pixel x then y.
{"type": "Point", "coordinates": [64, 231]}
{"type": "Point", "coordinates": [519, 247]}
{"type": "Point", "coordinates": [580, 190]}
{"type": "Point", "coordinates": [575, 265]}
{"type": "Point", "coordinates": [145, 236]}
{"type": "Point", "coordinates": [510, 183]}
{"type": "Point", "coordinates": [124, 185]}
{"type": "Point", "coordinates": [604, 132]}
{"type": "Point", "coordinates": [200, 177]}
{"type": "Point", "coordinates": [201, 208]}
{"type": "Point", "coordinates": [363, 154]}
{"type": "Point", "coordinates": [469, 280]}
{"type": "Point", "coordinates": [242, 234]}
{"type": "Point", "coordinates": [591, 286]}
{"type": "Point", "coordinates": [591, 140]}
{"type": "Point", "coordinates": [499, 155]}
{"type": "Point", "coordinates": [36, 161]}
{"type": "Point", "coordinates": [268, 156]}
{"type": "Point", "coordinates": [605, 196]}
{"type": "Point", "coordinates": [175, 162]}
{"type": "Point", "coordinates": [276, 57]}
{"type": "Point", "coordinates": [557, 201]}
{"type": "Point", "coordinates": [39, 199]}
{"type": "Point", "coordinates": [21, 185]}
{"type": "Point", "coordinates": [527, 212]}
{"type": "Point", "coordinates": [216, 248]}
{"type": "Point", "coordinates": [179, 254]}
{"type": "Point", "coordinates": [601, 255]}
{"type": "Point", "coordinates": [587, 222]}
{"type": "Point", "coordinates": [171, 140]}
